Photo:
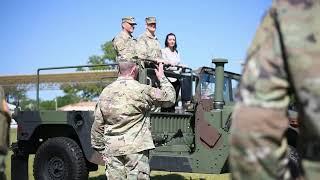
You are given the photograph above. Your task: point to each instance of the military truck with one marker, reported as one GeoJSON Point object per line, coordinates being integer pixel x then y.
{"type": "Point", "coordinates": [191, 137]}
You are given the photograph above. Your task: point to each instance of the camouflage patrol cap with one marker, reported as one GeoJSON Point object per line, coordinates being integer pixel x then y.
{"type": "Point", "coordinates": [150, 20]}
{"type": "Point", "coordinates": [129, 19]}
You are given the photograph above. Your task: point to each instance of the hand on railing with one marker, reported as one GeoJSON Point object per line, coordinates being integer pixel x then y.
{"type": "Point", "coordinates": [168, 65]}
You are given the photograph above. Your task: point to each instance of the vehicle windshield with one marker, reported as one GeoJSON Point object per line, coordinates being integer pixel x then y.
{"type": "Point", "coordinates": [208, 82]}
{"type": "Point", "coordinates": [207, 86]}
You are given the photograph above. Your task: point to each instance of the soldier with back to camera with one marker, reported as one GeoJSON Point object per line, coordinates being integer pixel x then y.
{"type": "Point", "coordinates": [121, 129]}
{"type": "Point", "coordinates": [284, 57]}
{"type": "Point", "coordinates": [4, 132]}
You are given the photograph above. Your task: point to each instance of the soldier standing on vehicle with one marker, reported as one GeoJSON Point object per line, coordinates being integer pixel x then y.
{"type": "Point", "coordinates": [148, 46]}
{"type": "Point", "coordinates": [124, 43]}
{"type": "Point", "coordinates": [284, 57]}
{"type": "Point", "coordinates": [4, 132]}
{"type": "Point", "coordinates": [121, 129]}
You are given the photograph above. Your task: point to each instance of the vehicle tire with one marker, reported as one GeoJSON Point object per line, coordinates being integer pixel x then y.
{"type": "Point", "coordinates": [294, 162]}
{"type": "Point", "coordinates": [59, 158]}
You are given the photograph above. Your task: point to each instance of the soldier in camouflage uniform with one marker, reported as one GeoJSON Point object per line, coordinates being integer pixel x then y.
{"type": "Point", "coordinates": [4, 132]}
{"type": "Point", "coordinates": [148, 46]}
{"type": "Point", "coordinates": [121, 129]}
{"type": "Point", "coordinates": [124, 43]}
{"type": "Point", "coordinates": [284, 57]}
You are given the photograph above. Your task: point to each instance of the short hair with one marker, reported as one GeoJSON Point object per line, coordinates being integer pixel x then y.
{"type": "Point", "coordinates": [125, 67]}
{"type": "Point", "coordinates": [166, 41]}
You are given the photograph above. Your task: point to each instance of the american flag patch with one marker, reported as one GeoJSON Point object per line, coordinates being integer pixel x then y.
{"type": "Point", "coordinates": [157, 93]}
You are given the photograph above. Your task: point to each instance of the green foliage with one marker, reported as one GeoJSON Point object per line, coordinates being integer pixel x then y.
{"type": "Point", "coordinates": [67, 99]}
{"type": "Point", "coordinates": [109, 53]}
{"type": "Point", "coordinates": [73, 93]}
{"type": "Point", "coordinates": [91, 91]}
{"type": "Point", "coordinates": [47, 105]}
{"type": "Point", "coordinates": [84, 91]}
{"type": "Point", "coordinates": [96, 60]}
{"type": "Point", "coordinates": [28, 104]}
{"type": "Point", "coordinates": [15, 93]}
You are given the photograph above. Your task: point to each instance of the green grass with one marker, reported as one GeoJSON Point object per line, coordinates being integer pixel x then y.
{"type": "Point", "coordinates": [100, 174]}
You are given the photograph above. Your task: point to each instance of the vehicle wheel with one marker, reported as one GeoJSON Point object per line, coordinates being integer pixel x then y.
{"type": "Point", "coordinates": [294, 162]}
{"type": "Point", "coordinates": [59, 158]}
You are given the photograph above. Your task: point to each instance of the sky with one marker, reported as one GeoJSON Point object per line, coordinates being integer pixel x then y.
{"type": "Point", "coordinates": [36, 33]}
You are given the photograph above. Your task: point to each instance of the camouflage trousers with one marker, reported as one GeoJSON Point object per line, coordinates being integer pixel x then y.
{"type": "Point", "coordinates": [2, 167]}
{"type": "Point", "coordinates": [131, 166]}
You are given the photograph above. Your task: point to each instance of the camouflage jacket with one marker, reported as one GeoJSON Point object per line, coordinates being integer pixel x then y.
{"type": "Point", "coordinates": [122, 124]}
{"type": "Point", "coordinates": [148, 47]}
{"type": "Point", "coordinates": [124, 44]}
{"type": "Point", "coordinates": [283, 59]}
{"type": "Point", "coordinates": [5, 120]}
{"type": "Point", "coordinates": [275, 64]}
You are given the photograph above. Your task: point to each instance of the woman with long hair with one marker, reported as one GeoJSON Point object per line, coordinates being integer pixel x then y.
{"type": "Point", "coordinates": [170, 52]}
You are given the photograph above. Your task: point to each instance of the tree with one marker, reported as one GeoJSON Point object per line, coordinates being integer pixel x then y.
{"type": "Point", "coordinates": [15, 93]}
{"type": "Point", "coordinates": [67, 99]}
{"type": "Point", "coordinates": [109, 53]}
{"type": "Point", "coordinates": [48, 105]}
{"type": "Point", "coordinates": [91, 91]}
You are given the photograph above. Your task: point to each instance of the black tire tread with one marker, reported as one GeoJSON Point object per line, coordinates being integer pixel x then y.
{"type": "Point", "coordinates": [71, 148]}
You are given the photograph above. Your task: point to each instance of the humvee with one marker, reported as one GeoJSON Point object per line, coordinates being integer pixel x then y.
{"type": "Point", "coordinates": [191, 137]}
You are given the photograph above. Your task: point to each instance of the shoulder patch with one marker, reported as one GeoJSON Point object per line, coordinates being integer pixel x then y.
{"type": "Point", "coordinates": [157, 93]}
